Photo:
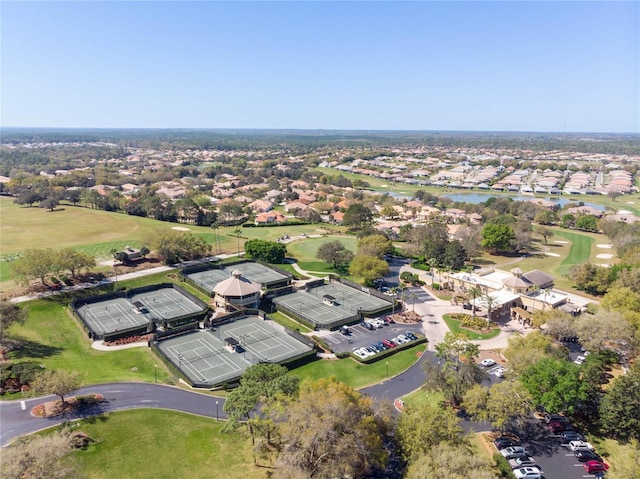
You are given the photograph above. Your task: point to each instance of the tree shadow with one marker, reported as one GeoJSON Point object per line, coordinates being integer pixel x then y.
{"type": "Point", "coordinates": [33, 349]}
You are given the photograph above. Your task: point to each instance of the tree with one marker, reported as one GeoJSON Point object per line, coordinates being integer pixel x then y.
{"type": "Point", "coordinates": [61, 383]}
{"type": "Point", "coordinates": [425, 427]}
{"type": "Point", "coordinates": [613, 194]}
{"type": "Point", "coordinates": [368, 267]}
{"type": "Point", "coordinates": [470, 238]}
{"type": "Point", "coordinates": [546, 217]}
{"type": "Point", "coordinates": [49, 203]}
{"type": "Point", "coordinates": [334, 252]}
{"type": "Point", "coordinates": [454, 256]}
{"type": "Point", "coordinates": [451, 461]}
{"type": "Point", "coordinates": [230, 211]}
{"type": "Point", "coordinates": [522, 351]}
{"type": "Point", "coordinates": [261, 385]}
{"type": "Point", "coordinates": [497, 237]}
{"type": "Point", "coordinates": [587, 223]}
{"type": "Point", "coordinates": [625, 301]}
{"type": "Point", "coordinates": [33, 264]}
{"type": "Point", "coordinates": [455, 371]}
{"type": "Point", "coordinates": [546, 233]}
{"type": "Point", "coordinates": [555, 384]}
{"type": "Point", "coordinates": [375, 245]}
{"type": "Point", "coordinates": [330, 431]}
{"type": "Point", "coordinates": [174, 246]}
{"type": "Point", "coordinates": [619, 408]}
{"type": "Point", "coordinates": [41, 457]}
{"type": "Point", "coordinates": [357, 216]}
{"type": "Point", "coordinates": [590, 278]}
{"type": "Point", "coordinates": [10, 314]}
{"type": "Point", "coordinates": [74, 261]}
{"type": "Point", "coordinates": [388, 211]}
{"type": "Point", "coordinates": [144, 251]}
{"type": "Point", "coordinates": [502, 404]}
{"type": "Point", "coordinates": [606, 330]}
{"type": "Point", "coordinates": [268, 251]}
{"type": "Point", "coordinates": [475, 293]}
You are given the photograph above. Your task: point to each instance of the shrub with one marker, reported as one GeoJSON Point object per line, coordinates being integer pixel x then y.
{"type": "Point", "coordinates": [503, 466]}
{"type": "Point", "coordinates": [436, 286]}
{"type": "Point", "coordinates": [343, 354]}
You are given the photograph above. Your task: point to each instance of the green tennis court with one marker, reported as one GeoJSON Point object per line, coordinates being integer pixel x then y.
{"type": "Point", "coordinates": [212, 357]}
{"type": "Point", "coordinates": [208, 279]}
{"type": "Point", "coordinates": [330, 305]}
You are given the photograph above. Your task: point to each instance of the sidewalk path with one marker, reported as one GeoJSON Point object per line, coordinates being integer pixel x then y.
{"type": "Point", "coordinates": [122, 277]}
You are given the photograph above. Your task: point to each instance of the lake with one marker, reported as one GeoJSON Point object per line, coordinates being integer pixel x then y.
{"type": "Point", "coordinates": [476, 198]}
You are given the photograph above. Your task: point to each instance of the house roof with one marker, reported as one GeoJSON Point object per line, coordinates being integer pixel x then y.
{"type": "Point", "coordinates": [237, 285]}
{"type": "Point", "coordinates": [538, 277]}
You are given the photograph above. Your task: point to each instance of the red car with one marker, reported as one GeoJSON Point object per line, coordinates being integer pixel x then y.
{"type": "Point", "coordinates": [388, 343]}
{"type": "Point", "coordinates": [558, 427]}
{"type": "Point", "coordinates": [593, 467]}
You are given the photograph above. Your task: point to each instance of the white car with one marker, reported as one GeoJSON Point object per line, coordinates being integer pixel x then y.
{"type": "Point", "coordinates": [580, 446]}
{"type": "Point", "coordinates": [361, 353]}
{"type": "Point", "coordinates": [378, 322]}
{"type": "Point", "coordinates": [401, 339]}
{"type": "Point", "coordinates": [499, 372]}
{"type": "Point", "coordinates": [579, 360]}
{"type": "Point", "coordinates": [528, 473]}
{"type": "Point", "coordinates": [513, 451]}
{"type": "Point", "coordinates": [487, 363]}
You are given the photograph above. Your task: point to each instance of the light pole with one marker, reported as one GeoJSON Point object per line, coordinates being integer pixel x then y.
{"type": "Point", "coordinates": [387, 363]}
{"type": "Point", "coordinates": [216, 409]}
{"type": "Point", "coordinates": [155, 373]}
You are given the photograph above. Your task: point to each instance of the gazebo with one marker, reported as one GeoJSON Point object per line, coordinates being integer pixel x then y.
{"type": "Point", "coordinates": [237, 290]}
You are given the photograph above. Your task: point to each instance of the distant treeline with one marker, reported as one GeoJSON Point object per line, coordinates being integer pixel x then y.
{"type": "Point", "coordinates": [301, 140]}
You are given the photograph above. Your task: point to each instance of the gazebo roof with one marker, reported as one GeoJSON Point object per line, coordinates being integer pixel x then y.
{"type": "Point", "coordinates": [516, 282]}
{"type": "Point", "coordinates": [237, 286]}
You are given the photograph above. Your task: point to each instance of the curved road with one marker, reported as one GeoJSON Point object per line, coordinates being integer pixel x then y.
{"type": "Point", "coordinates": [16, 418]}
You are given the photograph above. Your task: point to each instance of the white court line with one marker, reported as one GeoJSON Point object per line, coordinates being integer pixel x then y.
{"type": "Point", "coordinates": [233, 366]}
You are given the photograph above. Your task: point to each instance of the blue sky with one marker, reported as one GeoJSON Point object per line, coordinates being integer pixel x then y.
{"type": "Point", "coordinates": [494, 66]}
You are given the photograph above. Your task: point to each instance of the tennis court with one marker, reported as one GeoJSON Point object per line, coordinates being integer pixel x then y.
{"type": "Point", "coordinates": [166, 303]}
{"type": "Point", "coordinates": [311, 305]}
{"type": "Point", "coordinates": [106, 316]}
{"type": "Point", "coordinates": [112, 315]}
{"type": "Point", "coordinates": [206, 360]}
{"type": "Point", "coordinates": [208, 279]}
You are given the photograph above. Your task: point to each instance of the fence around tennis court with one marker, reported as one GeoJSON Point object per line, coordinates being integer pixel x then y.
{"type": "Point", "coordinates": [175, 322]}
{"type": "Point", "coordinates": [174, 367]}
{"type": "Point", "coordinates": [228, 265]}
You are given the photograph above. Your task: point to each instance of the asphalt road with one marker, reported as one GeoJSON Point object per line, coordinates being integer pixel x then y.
{"type": "Point", "coordinates": [16, 418]}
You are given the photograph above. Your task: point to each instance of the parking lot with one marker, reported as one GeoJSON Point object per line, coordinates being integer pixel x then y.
{"type": "Point", "coordinates": [551, 453]}
{"type": "Point", "coordinates": [359, 336]}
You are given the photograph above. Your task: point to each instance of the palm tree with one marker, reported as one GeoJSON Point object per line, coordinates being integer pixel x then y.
{"type": "Point", "coordinates": [238, 232]}
{"type": "Point", "coordinates": [534, 289]}
{"type": "Point", "coordinates": [490, 301]}
{"type": "Point", "coordinates": [475, 292]}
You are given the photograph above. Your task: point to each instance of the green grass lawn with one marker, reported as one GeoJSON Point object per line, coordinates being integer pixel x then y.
{"type": "Point", "coordinates": [356, 374]}
{"type": "Point", "coordinates": [157, 444]}
{"type": "Point", "coordinates": [454, 326]}
{"type": "Point", "coordinates": [580, 251]}
{"type": "Point", "coordinates": [419, 397]}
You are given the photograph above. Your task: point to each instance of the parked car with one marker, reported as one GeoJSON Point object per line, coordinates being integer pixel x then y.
{"type": "Point", "coordinates": [579, 360]}
{"type": "Point", "coordinates": [382, 346]}
{"type": "Point", "coordinates": [593, 467]}
{"type": "Point", "coordinates": [555, 418]}
{"type": "Point", "coordinates": [567, 436]}
{"type": "Point", "coordinates": [527, 473]}
{"type": "Point", "coordinates": [584, 456]}
{"type": "Point", "coordinates": [361, 353]}
{"type": "Point", "coordinates": [487, 363]}
{"type": "Point", "coordinates": [559, 427]}
{"type": "Point", "coordinates": [498, 372]}
{"type": "Point", "coordinates": [504, 442]}
{"type": "Point", "coordinates": [522, 461]}
{"type": "Point", "coordinates": [580, 446]}
{"type": "Point", "coordinates": [370, 326]}
{"type": "Point", "coordinates": [512, 451]}
{"type": "Point", "coordinates": [378, 322]}
{"type": "Point", "coordinates": [389, 343]}
{"type": "Point", "coordinates": [411, 336]}
{"type": "Point", "coordinates": [401, 339]}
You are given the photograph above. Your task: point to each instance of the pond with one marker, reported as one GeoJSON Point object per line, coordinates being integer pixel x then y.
{"type": "Point", "coordinates": [476, 198]}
